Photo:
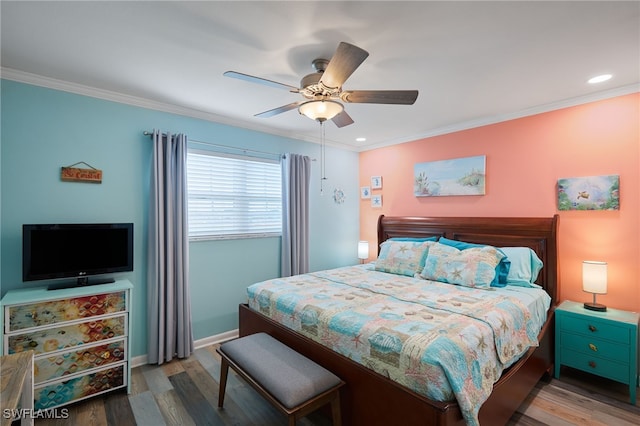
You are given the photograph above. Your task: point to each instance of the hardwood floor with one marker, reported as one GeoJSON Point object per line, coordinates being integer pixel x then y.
{"type": "Point", "coordinates": [185, 392]}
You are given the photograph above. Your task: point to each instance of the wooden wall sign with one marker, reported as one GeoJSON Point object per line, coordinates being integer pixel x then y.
{"type": "Point", "coordinates": [74, 174]}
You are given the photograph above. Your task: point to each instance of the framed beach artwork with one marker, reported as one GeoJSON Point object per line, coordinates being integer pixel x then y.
{"type": "Point", "coordinates": [589, 193]}
{"type": "Point", "coordinates": [376, 201]}
{"type": "Point", "coordinates": [458, 176]}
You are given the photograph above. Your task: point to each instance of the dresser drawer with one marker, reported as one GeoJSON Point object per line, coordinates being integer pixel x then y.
{"type": "Point", "coordinates": [23, 317]}
{"type": "Point", "coordinates": [67, 336]}
{"type": "Point", "coordinates": [76, 388]}
{"type": "Point", "coordinates": [78, 360]}
{"type": "Point", "coordinates": [596, 328]}
{"type": "Point", "coordinates": [595, 347]}
{"type": "Point", "coordinates": [595, 365]}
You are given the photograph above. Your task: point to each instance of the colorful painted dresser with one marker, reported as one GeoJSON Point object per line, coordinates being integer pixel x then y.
{"type": "Point", "coordinates": [80, 338]}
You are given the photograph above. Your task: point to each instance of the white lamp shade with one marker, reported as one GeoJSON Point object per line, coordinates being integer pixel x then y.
{"type": "Point", "coordinates": [363, 249]}
{"type": "Point", "coordinates": [594, 277]}
{"type": "Point", "coordinates": [321, 110]}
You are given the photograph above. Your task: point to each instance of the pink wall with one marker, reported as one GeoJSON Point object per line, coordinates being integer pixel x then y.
{"type": "Point", "coordinates": [524, 160]}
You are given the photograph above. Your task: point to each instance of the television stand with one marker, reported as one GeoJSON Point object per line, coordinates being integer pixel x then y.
{"type": "Point", "coordinates": [80, 282]}
{"type": "Point", "coordinates": [80, 338]}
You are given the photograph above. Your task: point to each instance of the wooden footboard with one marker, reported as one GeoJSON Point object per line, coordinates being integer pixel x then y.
{"type": "Point", "coordinates": [370, 398]}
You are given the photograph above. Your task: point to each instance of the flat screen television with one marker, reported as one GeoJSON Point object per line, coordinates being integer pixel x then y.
{"type": "Point", "coordinates": [81, 250]}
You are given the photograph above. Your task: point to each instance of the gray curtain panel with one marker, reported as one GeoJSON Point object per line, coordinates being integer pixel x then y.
{"type": "Point", "coordinates": [169, 303]}
{"type": "Point", "coordinates": [296, 174]}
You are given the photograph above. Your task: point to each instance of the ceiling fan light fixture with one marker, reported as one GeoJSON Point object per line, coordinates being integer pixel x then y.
{"type": "Point", "coordinates": [321, 110]}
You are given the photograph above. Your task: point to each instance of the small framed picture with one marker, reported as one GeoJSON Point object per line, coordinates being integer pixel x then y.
{"type": "Point", "coordinates": [376, 182]}
{"type": "Point", "coordinates": [589, 193]}
{"type": "Point", "coordinates": [376, 201]}
{"type": "Point", "coordinates": [365, 192]}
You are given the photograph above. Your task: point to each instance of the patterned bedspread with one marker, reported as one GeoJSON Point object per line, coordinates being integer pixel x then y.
{"type": "Point", "coordinates": [442, 341]}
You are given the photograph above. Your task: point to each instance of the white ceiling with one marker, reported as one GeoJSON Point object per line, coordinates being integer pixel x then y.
{"type": "Point", "coordinates": [472, 62]}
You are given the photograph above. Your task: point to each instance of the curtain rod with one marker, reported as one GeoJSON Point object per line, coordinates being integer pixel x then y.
{"type": "Point", "coordinates": [147, 133]}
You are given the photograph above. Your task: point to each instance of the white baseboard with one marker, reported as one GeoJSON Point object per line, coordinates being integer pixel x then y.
{"type": "Point", "coordinates": [140, 360]}
{"type": "Point", "coordinates": [217, 338]}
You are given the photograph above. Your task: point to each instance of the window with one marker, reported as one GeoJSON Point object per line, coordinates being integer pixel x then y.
{"type": "Point", "coordinates": [233, 196]}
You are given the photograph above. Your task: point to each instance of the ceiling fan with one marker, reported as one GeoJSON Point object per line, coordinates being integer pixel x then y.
{"type": "Point", "coordinates": [322, 89]}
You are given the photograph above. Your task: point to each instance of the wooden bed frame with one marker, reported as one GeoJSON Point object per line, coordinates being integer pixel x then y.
{"type": "Point", "coordinates": [370, 398]}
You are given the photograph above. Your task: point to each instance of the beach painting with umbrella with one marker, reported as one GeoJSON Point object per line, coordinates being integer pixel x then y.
{"type": "Point", "coordinates": [589, 193]}
{"type": "Point", "coordinates": [458, 176]}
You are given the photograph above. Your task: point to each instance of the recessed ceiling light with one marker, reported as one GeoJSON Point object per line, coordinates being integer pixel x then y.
{"type": "Point", "coordinates": [361, 139]}
{"type": "Point", "coordinates": [599, 78]}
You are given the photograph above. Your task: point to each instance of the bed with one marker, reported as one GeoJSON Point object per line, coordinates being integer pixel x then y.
{"type": "Point", "coordinates": [374, 397]}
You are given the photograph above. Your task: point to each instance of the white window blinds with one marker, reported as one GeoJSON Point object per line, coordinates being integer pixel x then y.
{"type": "Point", "coordinates": [233, 196]}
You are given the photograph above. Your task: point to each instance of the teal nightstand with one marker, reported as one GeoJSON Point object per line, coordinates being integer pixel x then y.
{"type": "Point", "coordinates": [602, 343]}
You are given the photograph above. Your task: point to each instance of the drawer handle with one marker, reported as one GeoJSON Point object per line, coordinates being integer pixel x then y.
{"type": "Point", "coordinates": [592, 328]}
{"type": "Point", "coordinates": [592, 364]}
{"type": "Point", "coordinates": [593, 347]}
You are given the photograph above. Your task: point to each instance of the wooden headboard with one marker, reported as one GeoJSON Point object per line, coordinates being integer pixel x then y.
{"type": "Point", "coordinates": [540, 234]}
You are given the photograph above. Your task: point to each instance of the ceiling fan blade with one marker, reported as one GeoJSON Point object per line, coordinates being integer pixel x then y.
{"type": "Point", "coordinates": [400, 97]}
{"type": "Point", "coordinates": [279, 110]}
{"type": "Point", "coordinates": [259, 80]}
{"type": "Point", "coordinates": [342, 119]}
{"type": "Point", "coordinates": [343, 63]}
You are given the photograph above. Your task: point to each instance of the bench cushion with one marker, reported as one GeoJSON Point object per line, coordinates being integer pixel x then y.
{"type": "Point", "coordinates": [288, 376]}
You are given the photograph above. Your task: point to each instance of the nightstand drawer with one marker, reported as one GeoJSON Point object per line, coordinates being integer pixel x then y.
{"type": "Point", "coordinates": [595, 347]}
{"type": "Point", "coordinates": [596, 328]}
{"type": "Point", "coordinates": [596, 365]}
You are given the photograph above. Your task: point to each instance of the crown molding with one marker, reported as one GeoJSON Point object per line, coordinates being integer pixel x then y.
{"type": "Point", "coordinates": [51, 83]}
{"type": "Point", "coordinates": [485, 121]}
{"type": "Point", "coordinates": [93, 92]}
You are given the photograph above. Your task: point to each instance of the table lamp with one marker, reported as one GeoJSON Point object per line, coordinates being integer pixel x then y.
{"type": "Point", "coordinates": [594, 280]}
{"type": "Point", "coordinates": [363, 250]}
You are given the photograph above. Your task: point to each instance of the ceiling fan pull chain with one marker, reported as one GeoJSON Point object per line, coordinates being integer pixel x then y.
{"type": "Point", "coordinates": [324, 152]}
{"type": "Point", "coordinates": [323, 176]}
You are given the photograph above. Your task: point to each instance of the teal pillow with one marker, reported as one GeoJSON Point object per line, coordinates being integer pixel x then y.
{"type": "Point", "coordinates": [402, 257]}
{"type": "Point", "coordinates": [525, 266]}
{"type": "Point", "coordinates": [502, 270]}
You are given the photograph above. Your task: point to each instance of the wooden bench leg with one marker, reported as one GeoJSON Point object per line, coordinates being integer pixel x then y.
{"type": "Point", "coordinates": [224, 371]}
{"type": "Point", "coordinates": [335, 410]}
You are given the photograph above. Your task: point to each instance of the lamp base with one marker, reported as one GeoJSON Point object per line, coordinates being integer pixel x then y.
{"type": "Point", "coordinates": [595, 307]}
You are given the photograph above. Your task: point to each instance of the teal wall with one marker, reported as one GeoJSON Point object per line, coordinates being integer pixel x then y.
{"type": "Point", "coordinates": [44, 129]}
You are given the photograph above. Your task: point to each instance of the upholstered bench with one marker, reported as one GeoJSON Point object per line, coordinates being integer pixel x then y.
{"type": "Point", "coordinates": [293, 383]}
